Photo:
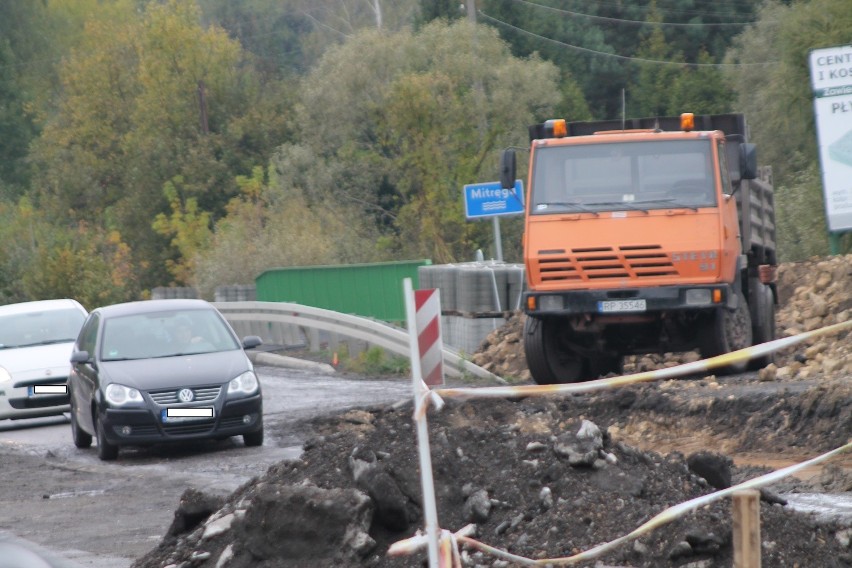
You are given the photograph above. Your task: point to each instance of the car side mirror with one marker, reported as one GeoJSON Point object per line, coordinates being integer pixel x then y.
{"type": "Point", "coordinates": [251, 341]}
{"type": "Point", "coordinates": [508, 168]}
{"type": "Point", "coordinates": [80, 357]}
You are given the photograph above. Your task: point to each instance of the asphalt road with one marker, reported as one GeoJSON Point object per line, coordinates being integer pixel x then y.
{"type": "Point", "coordinates": [106, 514]}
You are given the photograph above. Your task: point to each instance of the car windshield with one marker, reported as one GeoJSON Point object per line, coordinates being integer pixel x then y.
{"type": "Point", "coordinates": [40, 328]}
{"type": "Point", "coordinates": [165, 334]}
{"type": "Point", "coordinates": [618, 176]}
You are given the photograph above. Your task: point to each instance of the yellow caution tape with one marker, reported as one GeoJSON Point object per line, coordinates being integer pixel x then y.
{"type": "Point", "coordinates": [667, 373]}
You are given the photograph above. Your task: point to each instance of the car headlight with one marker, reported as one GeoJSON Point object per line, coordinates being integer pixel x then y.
{"type": "Point", "coordinates": [120, 395]}
{"type": "Point", "coordinates": [5, 375]}
{"type": "Point", "coordinates": [245, 384]}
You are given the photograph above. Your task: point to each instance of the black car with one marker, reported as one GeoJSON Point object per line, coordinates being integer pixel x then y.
{"type": "Point", "coordinates": [158, 371]}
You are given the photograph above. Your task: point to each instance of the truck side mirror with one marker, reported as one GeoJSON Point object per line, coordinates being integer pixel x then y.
{"type": "Point", "coordinates": [507, 169]}
{"type": "Point", "coordinates": [748, 161]}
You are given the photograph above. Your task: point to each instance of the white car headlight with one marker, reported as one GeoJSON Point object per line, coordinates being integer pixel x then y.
{"type": "Point", "coordinates": [120, 395]}
{"type": "Point", "coordinates": [245, 384]}
{"type": "Point", "coordinates": [5, 375]}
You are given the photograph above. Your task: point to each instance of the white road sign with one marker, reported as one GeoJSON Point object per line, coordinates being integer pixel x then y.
{"type": "Point", "coordinates": [831, 79]}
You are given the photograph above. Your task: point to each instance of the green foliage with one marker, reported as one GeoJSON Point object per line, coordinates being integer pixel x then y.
{"type": "Point", "coordinates": [376, 361]}
{"type": "Point", "coordinates": [801, 233]}
{"type": "Point", "coordinates": [412, 117]}
{"type": "Point", "coordinates": [146, 100]}
{"type": "Point", "coordinates": [777, 99]}
{"type": "Point", "coordinates": [42, 260]}
{"type": "Point", "coordinates": [188, 227]}
{"type": "Point", "coordinates": [599, 43]}
{"type": "Point", "coordinates": [264, 229]}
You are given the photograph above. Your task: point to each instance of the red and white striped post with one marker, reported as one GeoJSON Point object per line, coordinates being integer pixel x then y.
{"type": "Point", "coordinates": [423, 312]}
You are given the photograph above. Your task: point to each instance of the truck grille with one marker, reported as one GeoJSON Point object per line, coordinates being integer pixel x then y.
{"type": "Point", "coordinates": [602, 263]}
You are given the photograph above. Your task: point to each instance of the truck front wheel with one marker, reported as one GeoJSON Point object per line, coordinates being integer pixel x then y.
{"type": "Point", "coordinates": [550, 361]}
{"type": "Point", "coordinates": [763, 326]}
{"type": "Point", "coordinates": [726, 331]}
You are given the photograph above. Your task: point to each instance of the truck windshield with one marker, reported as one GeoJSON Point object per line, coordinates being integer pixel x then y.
{"type": "Point", "coordinates": [620, 176]}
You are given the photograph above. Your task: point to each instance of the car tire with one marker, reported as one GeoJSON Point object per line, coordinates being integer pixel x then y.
{"type": "Point", "coordinates": [81, 438]}
{"type": "Point", "coordinates": [106, 451]}
{"type": "Point", "coordinates": [253, 439]}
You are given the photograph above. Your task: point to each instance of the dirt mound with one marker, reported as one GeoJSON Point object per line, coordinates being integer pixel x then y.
{"type": "Point", "coordinates": [536, 477]}
{"type": "Point", "coordinates": [550, 477]}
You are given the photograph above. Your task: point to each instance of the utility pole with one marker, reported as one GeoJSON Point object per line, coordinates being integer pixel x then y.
{"type": "Point", "coordinates": [495, 221]}
{"type": "Point", "coordinates": [378, 10]}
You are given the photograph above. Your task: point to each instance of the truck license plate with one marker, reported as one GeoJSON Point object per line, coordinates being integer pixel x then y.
{"type": "Point", "coordinates": [608, 306]}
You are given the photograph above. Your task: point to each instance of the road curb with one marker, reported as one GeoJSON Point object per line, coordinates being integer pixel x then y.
{"type": "Point", "coordinates": [274, 360]}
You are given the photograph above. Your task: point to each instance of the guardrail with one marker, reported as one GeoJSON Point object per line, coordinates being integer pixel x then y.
{"type": "Point", "coordinates": [284, 319]}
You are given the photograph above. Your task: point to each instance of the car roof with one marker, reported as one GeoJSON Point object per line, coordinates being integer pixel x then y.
{"type": "Point", "coordinates": [41, 306]}
{"type": "Point", "coordinates": [151, 306]}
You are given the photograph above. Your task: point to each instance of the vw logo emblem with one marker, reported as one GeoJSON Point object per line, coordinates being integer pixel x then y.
{"type": "Point", "coordinates": [186, 395]}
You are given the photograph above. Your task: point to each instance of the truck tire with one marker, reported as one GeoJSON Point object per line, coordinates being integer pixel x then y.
{"type": "Point", "coordinates": [728, 330]}
{"type": "Point", "coordinates": [763, 321]}
{"type": "Point", "coordinates": [604, 365]}
{"type": "Point", "coordinates": [547, 361]}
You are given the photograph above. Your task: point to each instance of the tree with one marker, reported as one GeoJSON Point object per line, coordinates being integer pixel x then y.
{"type": "Point", "coordinates": [398, 123]}
{"type": "Point", "coordinates": [42, 259]}
{"type": "Point", "coordinates": [772, 82]}
{"type": "Point", "coordinates": [146, 100]}
{"type": "Point", "coordinates": [263, 230]}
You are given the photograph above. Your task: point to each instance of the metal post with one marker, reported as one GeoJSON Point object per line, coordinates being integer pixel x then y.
{"type": "Point", "coordinates": [833, 243]}
{"type": "Point", "coordinates": [430, 508]}
{"type": "Point", "coordinates": [498, 243]}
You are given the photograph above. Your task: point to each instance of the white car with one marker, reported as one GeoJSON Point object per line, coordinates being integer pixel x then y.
{"type": "Point", "coordinates": [36, 340]}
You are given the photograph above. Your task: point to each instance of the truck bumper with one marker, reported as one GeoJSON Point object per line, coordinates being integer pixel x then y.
{"type": "Point", "coordinates": [629, 301]}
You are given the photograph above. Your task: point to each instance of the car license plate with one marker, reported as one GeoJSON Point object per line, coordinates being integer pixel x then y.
{"type": "Point", "coordinates": [172, 415]}
{"type": "Point", "coordinates": [608, 306]}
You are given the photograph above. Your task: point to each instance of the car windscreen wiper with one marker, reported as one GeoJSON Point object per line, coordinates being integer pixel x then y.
{"type": "Point", "coordinates": [576, 206]}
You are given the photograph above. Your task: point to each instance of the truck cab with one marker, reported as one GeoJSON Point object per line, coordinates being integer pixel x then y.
{"type": "Point", "coordinates": [635, 241]}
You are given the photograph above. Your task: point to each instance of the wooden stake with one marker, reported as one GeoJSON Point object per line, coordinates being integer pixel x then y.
{"type": "Point", "coordinates": [746, 511]}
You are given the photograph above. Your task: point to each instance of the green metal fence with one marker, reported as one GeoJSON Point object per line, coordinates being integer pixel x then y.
{"type": "Point", "coordinates": [370, 290]}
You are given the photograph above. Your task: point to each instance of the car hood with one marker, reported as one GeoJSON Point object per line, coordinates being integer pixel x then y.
{"type": "Point", "coordinates": [28, 362]}
{"type": "Point", "coordinates": [181, 371]}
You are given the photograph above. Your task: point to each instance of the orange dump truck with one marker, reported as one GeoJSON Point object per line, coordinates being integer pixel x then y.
{"type": "Point", "coordinates": [642, 236]}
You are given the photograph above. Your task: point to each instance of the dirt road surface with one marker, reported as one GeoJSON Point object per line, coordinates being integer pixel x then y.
{"type": "Point", "coordinates": [108, 514]}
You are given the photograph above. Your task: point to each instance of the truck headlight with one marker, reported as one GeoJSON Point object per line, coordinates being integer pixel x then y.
{"type": "Point", "coordinates": [698, 297]}
{"type": "Point", "coordinates": [550, 303]}
{"type": "Point", "coordinates": [5, 375]}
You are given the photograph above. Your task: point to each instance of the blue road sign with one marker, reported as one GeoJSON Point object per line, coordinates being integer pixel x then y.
{"type": "Point", "coordinates": [490, 200]}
